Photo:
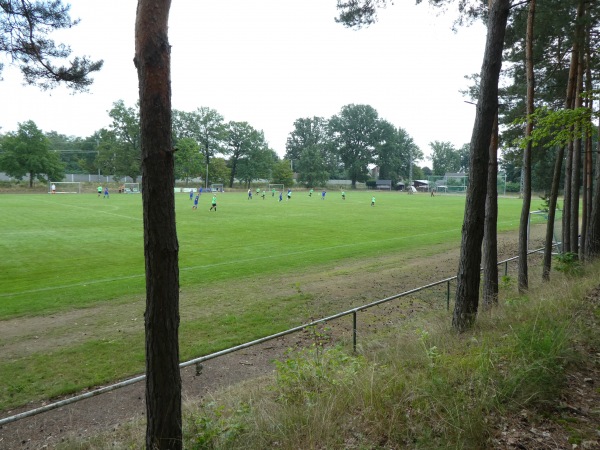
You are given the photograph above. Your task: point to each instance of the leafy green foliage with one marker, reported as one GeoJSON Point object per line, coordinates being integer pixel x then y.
{"type": "Point", "coordinates": [357, 134]}
{"type": "Point", "coordinates": [305, 374]}
{"type": "Point", "coordinates": [188, 162]}
{"type": "Point", "coordinates": [446, 158]}
{"type": "Point", "coordinates": [119, 149]}
{"type": "Point", "coordinates": [243, 143]}
{"type": "Point", "coordinates": [569, 264]}
{"type": "Point", "coordinates": [312, 168]}
{"type": "Point", "coordinates": [558, 127]}
{"type": "Point", "coordinates": [396, 154]}
{"type": "Point", "coordinates": [213, 426]}
{"type": "Point", "coordinates": [26, 152]}
{"type": "Point", "coordinates": [205, 126]}
{"type": "Point", "coordinates": [282, 173]}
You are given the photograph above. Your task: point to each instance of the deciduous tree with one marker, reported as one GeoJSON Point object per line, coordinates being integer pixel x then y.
{"type": "Point", "coordinates": [206, 127]}
{"type": "Point", "coordinates": [312, 167]}
{"type": "Point", "coordinates": [188, 162]}
{"type": "Point", "coordinates": [356, 134]}
{"type": "Point", "coordinates": [397, 153]}
{"type": "Point", "coordinates": [26, 152]}
{"type": "Point", "coordinates": [282, 173]}
{"type": "Point", "coordinates": [242, 140]}
{"type": "Point", "coordinates": [444, 158]}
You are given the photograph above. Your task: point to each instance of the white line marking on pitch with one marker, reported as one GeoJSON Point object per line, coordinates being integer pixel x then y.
{"type": "Point", "coordinates": [224, 263]}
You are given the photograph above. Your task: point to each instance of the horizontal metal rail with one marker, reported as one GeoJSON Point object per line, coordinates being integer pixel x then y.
{"type": "Point", "coordinates": [137, 379]}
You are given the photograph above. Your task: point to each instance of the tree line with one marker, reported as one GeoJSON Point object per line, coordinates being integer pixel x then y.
{"type": "Point", "coordinates": [207, 147]}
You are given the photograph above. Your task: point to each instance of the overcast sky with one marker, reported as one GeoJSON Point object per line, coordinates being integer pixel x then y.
{"type": "Point", "coordinates": [270, 62]}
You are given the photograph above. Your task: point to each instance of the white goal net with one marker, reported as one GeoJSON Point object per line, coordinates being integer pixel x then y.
{"type": "Point", "coordinates": [539, 220]}
{"type": "Point", "coordinates": [64, 187]}
{"type": "Point", "coordinates": [277, 187]}
{"type": "Point", "coordinates": [217, 188]}
{"type": "Point", "coordinates": [131, 188]}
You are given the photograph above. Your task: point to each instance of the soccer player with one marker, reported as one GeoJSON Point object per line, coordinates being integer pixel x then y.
{"type": "Point", "coordinates": [191, 194]}
{"type": "Point", "coordinates": [343, 195]}
{"type": "Point", "coordinates": [289, 194]}
{"type": "Point", "coordinates": [53, 188]}
{"type": "Point", "coordinates": [263, 195]}
{"type": "Point", "coordinates": [106, 192]}
{"type": "Point", "coordinates": [196, 201]}
{"type": "Point", "coordinates": [214, 203]}
{"type": "Point", "coordinates": [99, 191]}
{"type": "Point", "coordinates": [310, 193]}
{"type": "Point", "coordinates": [273, 192]}
{"type": "Point", "coordinates": [281, 196]}
{"type": "Point", "coordinates": [323, 195]}
{"type": "Point", "coordinates": [249, 194]}
{"type": "Point", "coordinates": [373, 201]}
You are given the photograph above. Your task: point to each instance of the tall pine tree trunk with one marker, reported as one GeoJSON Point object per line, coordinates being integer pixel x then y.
{"type": "Point", "coordinates": [587, 160]}
{"type": "Point", "coordinates": [549, 242]}
{"type": "Point", "coordinates": [524, 222]}
{"type": "Point", "coordinates": [468, 277]}
{"type": "Point", "coordinates": [576, 165]}
{"type": "Point", "coordinates": [592, 244]}
{"type": "Point", "coordinates": [161, 249]}
{"type": "Point", "coordinates": [548, 247]}
{"type": "Point", "coordinates": [490, 234]}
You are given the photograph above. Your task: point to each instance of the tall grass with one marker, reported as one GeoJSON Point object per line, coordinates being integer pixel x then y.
{"type": "Point", "coordinates": [424, 387]}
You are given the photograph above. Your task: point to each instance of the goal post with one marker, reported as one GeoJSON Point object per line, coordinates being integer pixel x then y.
{"type": "Point", "coordinates": [64, 187]}
{"type": "Point", "coordinates": [131, 188]}
{"type": "Point", "coordinates": [217, 187]}
{"type": "Point", "coordinates": [277, 187]}
{"type": "Point", "coordinates": [541, 218]}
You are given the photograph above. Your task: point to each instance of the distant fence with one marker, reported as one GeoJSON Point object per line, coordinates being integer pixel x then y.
{"type": "Point", "coordinates": [447, 294]}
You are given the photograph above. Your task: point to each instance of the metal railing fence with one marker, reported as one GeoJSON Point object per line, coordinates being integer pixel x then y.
{"type": "Point", "coordinates": [353, 312]}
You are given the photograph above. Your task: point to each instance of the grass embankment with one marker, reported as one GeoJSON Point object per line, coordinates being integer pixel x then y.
{"type": "Point", "coordinates": [72, 288]}
{"type": "Point", "coordinates": [424, 386]}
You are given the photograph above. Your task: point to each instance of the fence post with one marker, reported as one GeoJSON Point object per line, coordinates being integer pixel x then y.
{"type": "Point", "coordinates": [448, 296]}
{"type": "Point", "coordinates": [354, 331]}
{"type": "Point", "coordinates": [506, 269]}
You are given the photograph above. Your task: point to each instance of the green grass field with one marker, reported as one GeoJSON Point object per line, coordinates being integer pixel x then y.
{"type": "Point", "coordinates": [66, 253]}
{"type": "Point", "coordinates": [70, 251]}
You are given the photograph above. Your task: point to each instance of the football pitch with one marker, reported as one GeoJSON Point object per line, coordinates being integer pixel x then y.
{"type": "Point", "coordinates": [69, 251]}
{"type": "Point", "coordinates": [72, 288]}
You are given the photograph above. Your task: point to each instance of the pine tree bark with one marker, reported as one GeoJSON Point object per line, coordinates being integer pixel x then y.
{"type": "Point", "coordinates": [161, 249]}
{"type": "Point", "coordinates": [576, 165]}
{"type": "Point", "coordinates": [592, 244]}
{"type": "Point", "coordinates": [468, 277]}
{"type": "Point", "coordinates": [523, 277]}
{"type": "Point", "coordinates": [490, 234]}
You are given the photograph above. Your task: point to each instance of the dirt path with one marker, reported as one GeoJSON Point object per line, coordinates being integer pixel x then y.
{"type": "Point", "coordinates": [107, 411]}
